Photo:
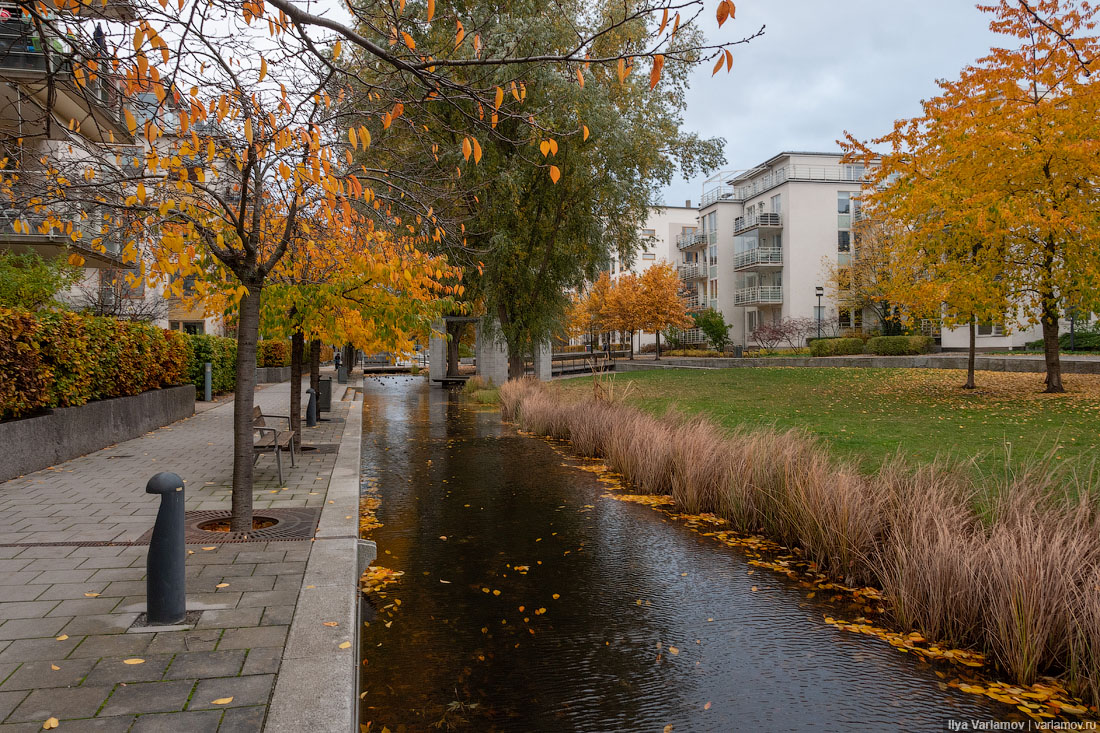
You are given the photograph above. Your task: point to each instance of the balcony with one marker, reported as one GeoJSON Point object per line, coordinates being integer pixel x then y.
{"type": "Point", "coordinates": [759, 295]}
{"type": "Point", "coordinates": [691, 302]}
{"type": "Point", "coordinates": [36, 235]}
{"type": "Point", "coordinates": [693, 336]}
{"type": "Point", "coordinates": [727, 191]}
{"type": "Point", "coordinates": [691, 272]}
{"type": "Point", "coordinates": [745, 223]}
{"type": "Point", "coordinates": [691, 239]}
{"type": "Point", "coordinates": [758, 258]}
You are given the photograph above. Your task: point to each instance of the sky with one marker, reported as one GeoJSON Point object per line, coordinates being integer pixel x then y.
{"type": "Point", "coordinates": [823, 67]}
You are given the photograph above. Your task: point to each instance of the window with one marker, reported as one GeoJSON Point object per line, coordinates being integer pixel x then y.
{"type": "Point", "coordinates": [843, 241]}
{"type": "Point", "coordinates": [713, 255]}
{"type": "Point", "coordinates": [851, 318]}
{"type": "Point", "coordinates": [819, 313]}
{"type": "Point", "coordinates": [648, 234]}
{"type": "Point", "coordinates": [990, 329]}
{"type": "Point", "coordinates": [853, 172]}
{"type": "Point", "coordinates": [193, 327]}
{"type": "Point", "coordinates": [843, 202]}
{"type": "Point", "coordinates": [712, 221]}
{"type": "Point", "coordinates": [777, 204]}
{"type": "Point", "coordinates": [649, 256]}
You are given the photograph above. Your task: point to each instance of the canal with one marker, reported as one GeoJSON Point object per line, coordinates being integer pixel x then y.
{"type": "Point", "coordinates": [531, 602]}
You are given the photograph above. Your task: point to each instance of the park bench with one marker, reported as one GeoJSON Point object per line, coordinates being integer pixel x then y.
{"type": "Point", "coordinates": [267, 439]}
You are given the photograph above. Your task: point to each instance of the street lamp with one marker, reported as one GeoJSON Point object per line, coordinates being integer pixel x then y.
{"type": "Point", "coordinates": [820, 291]}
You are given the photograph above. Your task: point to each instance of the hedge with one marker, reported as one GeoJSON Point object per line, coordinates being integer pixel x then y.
{"type": "Point", "coordinates": [900, 345]}
{"type": "Point", "coordinates": [1082, 341]}
{"type": "Point", "coordinates": [836, 347]}
{"type": "Point", "coordinates": [271, 353]}
{"type": "Point", "coordinates": [221, 352]}
{"type": "Point", "coordinates": [67, 359]}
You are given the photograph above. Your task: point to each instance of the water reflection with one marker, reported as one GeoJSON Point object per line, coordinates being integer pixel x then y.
{"type": "Point", "coordinates": [645, 622]}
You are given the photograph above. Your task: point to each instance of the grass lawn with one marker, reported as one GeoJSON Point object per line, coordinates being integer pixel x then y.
{"type": "Point", "coordinates": [869, 414]}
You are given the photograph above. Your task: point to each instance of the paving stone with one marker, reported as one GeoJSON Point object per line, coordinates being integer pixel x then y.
{"type": "Point", "coordinates": [112, 645]}
{"type": "Point", "coordinates": [253, 637]}
{"type": "Point", "coordinates": [41, 675]}
{"type": "Point", "coordinates": [195, 640]}
{"type": "Point", "coordinates": [277, 615]}
{"type": "Point", "coordinates": [26, 609]}
{"type": "Point", "coordinates": [268, 598]}
{"type": "Point", "coordinates": [69, 591]}
{"type": "Point", "coordinates": [236, 584]}
{"type": "Point", "coordinates": [251, 690]}
{"type": "Point", "coordinates": [206, 664]}
{"type": "Point", "coordinates": [84, 607]}
{"type": "Point", "coordinates": [243, 720]}
{"type": "Point", "coordinates": [225, 618]}
{"type": "Point", "coordinates": [10, 701]}
{"type": "Point", "coordinates": [29, 628]}
{"type": "Point", "coordinates": [62, 702]}
{"type": "Point", "coordinates": [47, 551]}
{"type": "Point", "coordinates": [23, 593]}
{"type": "Point", "coordinates": [110, 671]}
{"type": "Point", "coordinates": [62, 576]}
{"type": "Point", "coordinates": [110, 574]}
{"type": "Point", "coordinates": [263, 660]}
{"type": "Point", "coordinates": [113, 724]}
{"type": "Point", "coordinates": [149, 697]}
{"type": "Point", "coordinates": [206, 721]}
{"type": "Point", "coordinates": [107, 623]}
{"type": "Point", "coordinates": [29, 650]}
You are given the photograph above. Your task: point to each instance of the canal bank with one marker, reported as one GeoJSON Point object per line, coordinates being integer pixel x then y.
{"type": "Point", "coordinates": [531, 601]}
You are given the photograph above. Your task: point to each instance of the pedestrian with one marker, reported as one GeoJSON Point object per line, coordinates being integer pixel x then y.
{"type": "Point", "coordinates": [336, 358]}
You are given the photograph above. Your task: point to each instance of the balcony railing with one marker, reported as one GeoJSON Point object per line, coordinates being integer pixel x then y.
{"type": "Point", "coordinates": [693, 336]}
{"type": "Point", "coordinates": [831, 173]}
{"type": "Point", "coordinates": [745, 223]}
{"type": "Point", "coordinates": [691, 272]}
{"type": "Point", "coordinates": [691, 302]}
{"type": "Point", "coordinates": [759, 295]}
{"type": "Point", "coordinates": [758, 257]}
{"type": "Point", "coordinates": [691, 239]}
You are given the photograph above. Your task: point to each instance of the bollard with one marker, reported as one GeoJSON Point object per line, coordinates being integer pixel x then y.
{"type": "Point", "coordinates": [165, 589]}
{"type": "Point", "coordinates": [311, 408]}
{"type": "Point", "coordinates": [208, 382]}
{"type": "Point", "coordinates": [342, 375]}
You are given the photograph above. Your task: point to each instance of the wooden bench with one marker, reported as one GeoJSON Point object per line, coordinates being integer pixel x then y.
{"type": "Point", "coordinates": [267, 439]}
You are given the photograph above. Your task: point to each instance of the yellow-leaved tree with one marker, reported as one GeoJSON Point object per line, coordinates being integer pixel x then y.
{"type": "Point", "coordinates": [661, 305]}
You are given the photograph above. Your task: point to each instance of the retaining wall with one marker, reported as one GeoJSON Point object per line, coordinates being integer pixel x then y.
{"type": "Point", "coordinates": [269, 375]}
{"type": "Point", "coordinates": [34, 443]}
{"type": "Point", "coordinates": [937, 361]}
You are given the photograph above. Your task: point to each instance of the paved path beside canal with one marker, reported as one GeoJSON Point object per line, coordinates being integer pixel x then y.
{"type": "Point", "coordinates": [72, 584]}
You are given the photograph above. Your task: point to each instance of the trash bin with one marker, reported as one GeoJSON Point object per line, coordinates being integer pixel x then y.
{"type": "Point", "coordinates": [738, 352]}
{"type": "Point", "coordinates": [324, 394]}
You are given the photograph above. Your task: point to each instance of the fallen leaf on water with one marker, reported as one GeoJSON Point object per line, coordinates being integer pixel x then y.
{"type": "Point", "coordinates": [443, 537]}
{"type": "Point", "coordinates": [673, 650]}
{"type": "Point", "coordinates": [707, 706]}
{"type": "Point", "coordinates": [63, 637]}
{"type": "Point", "coordinates": [330, 623]}
{"type": "Point", "coordinates": [555, 596]}
{"type": "Point", "coordinates": [496, 592]}
{"type": "Point", "coordinates": [668, 728]}
{"type": "Point", "coordinates": [135, 660]}
{"type": "Point", "coordinates": [50, 724]}
{"type": "Point", "coordinates": [754, 589]}
{"type": "Point", "coordinates": [346, 644]}
{"type": "Point", "coordinates": [222, 701]}
{"type": "Point", "coordinates": [444, 581]}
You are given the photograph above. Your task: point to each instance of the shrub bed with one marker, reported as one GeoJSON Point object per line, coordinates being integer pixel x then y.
{"type": "Point", "coordinates": [68, 359]}
{"type": "Point", "coordinates": [1082, 341]}
{"type": "Point", "coordinates": [836, 347]}
{"type": "Point", "coordinates": [900, 345]}
{"type": "Point", "coordinates": [1012, 577]}
{"type": "Point", "coordinates": [271, 353]}
{"type": "Point", "coordinates": [221, 352]}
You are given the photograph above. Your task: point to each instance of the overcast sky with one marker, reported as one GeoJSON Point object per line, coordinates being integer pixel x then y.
{"type": "Point", "coordinates": [823, 67]}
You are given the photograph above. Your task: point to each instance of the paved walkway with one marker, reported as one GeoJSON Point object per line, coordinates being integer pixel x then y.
{"type": "Point", "coordinates": [68, 597]}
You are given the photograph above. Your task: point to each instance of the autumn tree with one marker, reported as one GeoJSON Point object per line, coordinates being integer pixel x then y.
{"type": "Point", "coordinates": [623, 309]}
{"type": "Point", "coordinates": [1009, 150]}
{"type": "Point", "coordinates": [864, 282]}
{"type": "Point", "coordinates": [661, 305]}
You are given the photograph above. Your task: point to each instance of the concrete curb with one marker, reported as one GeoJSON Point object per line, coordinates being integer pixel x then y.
{"type": "Point", "coordinates": [318, 681]}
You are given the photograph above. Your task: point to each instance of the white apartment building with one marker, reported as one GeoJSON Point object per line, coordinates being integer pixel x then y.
{"type": "Point", "coordinates": [663, 227]}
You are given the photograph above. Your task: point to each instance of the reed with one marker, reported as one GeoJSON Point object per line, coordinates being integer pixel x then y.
{"type": "Point", "coordinates": [1009, 565]}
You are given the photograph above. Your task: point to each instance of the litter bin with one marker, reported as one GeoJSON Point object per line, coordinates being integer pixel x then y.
{"type": "Point", "coordinates": [324, 394]}
{"type": "Point", "coordinates": [738, 352]}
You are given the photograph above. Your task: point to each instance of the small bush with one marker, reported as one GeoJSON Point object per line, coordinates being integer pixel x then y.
{"type": "Point", "coordinates": [836, 347]}
{"type": "Point", "coordinates": [272, 353]}
{"type": "Point", "coordinates": [1082, 341]}
{"type": "Point", "coordinates": [899, 345]}
{"type": "Point", "coordinates": [221, 352]}
{"type": "Point", "coordinates": [487, 396]}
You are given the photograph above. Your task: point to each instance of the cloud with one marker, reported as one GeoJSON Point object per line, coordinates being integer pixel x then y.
{"type": "Point", "coordinates": [825, 67]}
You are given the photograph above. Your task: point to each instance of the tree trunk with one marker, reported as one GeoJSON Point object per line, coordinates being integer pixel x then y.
{"type": "Point", "coordinates": [248, 328]}
{"type": "Point", "coordinates": [315, 365]}
{"type": "Point", "coordinates": [632, 346]}
{"type": "Point", "coordinates": [970, 355]}
{"type": "Point", "coordinates": [297, 352]}
{"type": "Point", "coordinates": [454, 333]}
{"type": "Point", "coordinates": [515, 365]}
{"type": "Point", "coordinates": [658, 335]}
{"type": "Point", "coordinates": [349, 357]}
{"type": "Point", "coordinates": [1051, 349]}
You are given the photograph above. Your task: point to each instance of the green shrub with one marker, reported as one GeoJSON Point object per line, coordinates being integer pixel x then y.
{"type": "Point", "coordinates": [272, 353]}
{"type": "Point", "coordinates": [899, 345]}
{"type": "Point", "coordinates": [1082, 341]}
{"type": "Point", "coordinates": [60, 359]}
{"type": "Point", "coordinates": [221, 352]}
{"type": "Point", "coordinates": [836, 346]}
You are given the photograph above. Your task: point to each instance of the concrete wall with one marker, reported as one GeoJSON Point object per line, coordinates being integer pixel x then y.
{"type": "Point", "coordinates": [269, 375]}
{"type": "Point", "coordinates": [437, 351]}
{"type": "Point", "coordinates": [492, 356]}
{"type": "Point", "coordinates": [34, 443]}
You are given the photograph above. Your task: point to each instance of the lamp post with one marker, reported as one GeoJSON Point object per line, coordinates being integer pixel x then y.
{"type": "Point", "coordinates": [820, 292]}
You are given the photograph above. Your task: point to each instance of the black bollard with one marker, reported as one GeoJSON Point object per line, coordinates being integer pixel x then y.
{"type": "Point", "coordinates": [311, 408]}
{"type": "Point", "coordinates": [165, 588]}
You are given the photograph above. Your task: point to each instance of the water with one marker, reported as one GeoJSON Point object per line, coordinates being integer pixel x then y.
{"type": "Point", "coordinates": [631, 583]}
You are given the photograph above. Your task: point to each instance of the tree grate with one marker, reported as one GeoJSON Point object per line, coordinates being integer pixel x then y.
{"type": "Point", "coordinates": [296, 523]}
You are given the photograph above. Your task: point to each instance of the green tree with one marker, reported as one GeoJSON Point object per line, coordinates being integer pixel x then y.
{"type": "Point", "coordinates": [29, 282]}
{"type": "Point", "coordinates": [714, 326]}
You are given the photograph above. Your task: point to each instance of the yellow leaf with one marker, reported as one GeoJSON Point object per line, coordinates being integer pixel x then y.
{"type": "Point", "coordinates": [459, 35]}
{"type": "Point", "coordinates": [655, 74]}
{"type": "Point", "coordinates": [54, 667]}
{"type": "Point", "coordinates": [707, 706]}
{"type": "Point", "coordinates": [135, 660]}
{"type": "Point", "coordinates": [467, 149]}
{"type": "Point", "coordinates": [718, 66]}
{"type": "Point", "coordinates": [499, 98]}
{"type": "Point", "coordinates": [555, 596]}
{"type": "Point", "coordinates": [63, 637]}
{"type": "Point", "coordinates": [553, 146]}
{"type": "Point", "coordinates": [673, 650]}
{"type": "Point", "coordinates": [430, 13]}
{"type": "Point", "coordinates": [248, 130]}
{"type": "Point", "coordinates": [555, 174]}
{"type": "Point", "coordinates": [544, 147]}
{"type": "Point", "coordinates": [584, 132]}
{"type": "Point", "coordinates": [141, 192]}
{"type": "Point", "coordinates": [222, 585]}
{"type": "Point", "coordinates": [330, 623]}
{"type": "Point", "coordinates": [263, 68]}
{"type": "Point", "coordinates": [336, 50]}
{"type": "Point", "coordinates": [580, 78]}
{"type": "Point", "coordinates": [408, 41]}
{"type": "Point", "coordinates": [50, 724]}
{"type": "Point", "coordinates": [668, 728]}
{"type": "Point", "coordinates": [345, 645]}
{"type": "Point", "coordinates": [131, 123]}
{"type": "Point", "coordinates": [78, 261]}
{"type": "Point", "coordinates": [477, 151]}
{"type": "Point", "coordinates": [723, 12]}
{"type": "Point", "coordinates": [353, 138]}
{"type": "Point", "coordinates": [209, 548]}
{"type": "Point", "coordinates": [664, 22]}
{"type": "Point", "coordinates": [222, 701]}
